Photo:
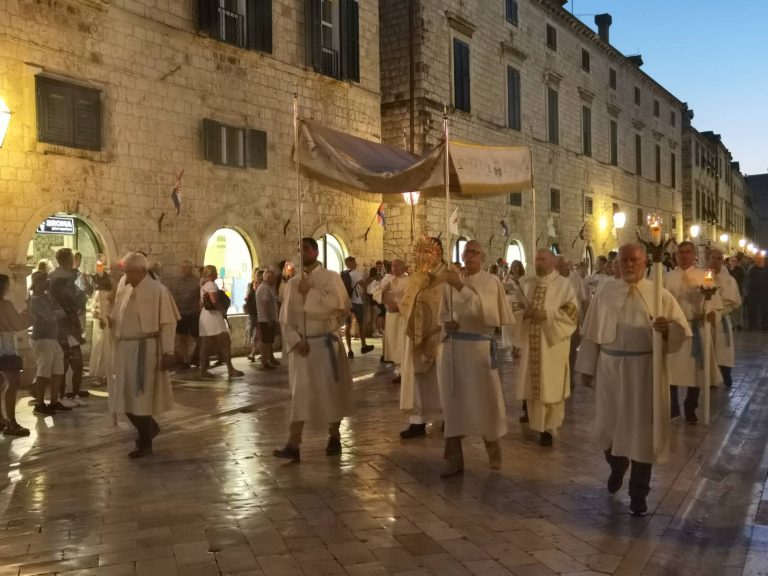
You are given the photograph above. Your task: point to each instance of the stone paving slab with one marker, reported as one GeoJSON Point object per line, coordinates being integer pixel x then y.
{"type": "Point", "coordinates": [213, 501]}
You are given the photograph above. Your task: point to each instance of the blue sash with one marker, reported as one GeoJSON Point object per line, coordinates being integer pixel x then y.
{"type": "Point", "coordinates": [472, 337]}
{"type": "Point", "coordinates": [626, 353]}
{"type": "Point", "coordinates": [697, 350]}
{"type": "Point", "coordinates": [724, 322]}
{"type": "Point", "coordinates": [329, 341]}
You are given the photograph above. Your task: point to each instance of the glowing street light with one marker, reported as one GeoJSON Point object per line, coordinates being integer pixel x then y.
{"type": "Point", "coordinates": [411, 198]}
{"type": "Point", "coordinates": [723, 238]}
{"type": "Point", "coordinates": [742, 242]}
{"type": "Point", "coordinates": [619, 219]}
{"type": "Point", "coordinates": [695, 231]}
{"type": "Point", "coordinates": [5, 120]}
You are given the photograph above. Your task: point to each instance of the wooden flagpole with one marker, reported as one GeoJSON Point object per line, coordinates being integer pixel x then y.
{"type": "Point", "coordinates": [296, 148]}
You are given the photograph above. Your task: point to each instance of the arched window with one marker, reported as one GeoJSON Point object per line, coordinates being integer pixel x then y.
{"type": "Point", "coordinates": [555, 249]}
{"type": "Point", "coordinates": [458, 250]}
{"type": "Point", "coordinates": [588, 258]}
{"type": "Point", "coordinates": [332, 253]}
{"type": "Point", "coordinates": [515, 251]}
{"type": "Point", "coordinates": [230, 253]}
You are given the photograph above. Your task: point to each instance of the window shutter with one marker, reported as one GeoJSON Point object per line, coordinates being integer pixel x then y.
{"type": "Point", "coordinates": [512, 11]}
{"type": "Point", "coordinates": [314, 31]}
{"type": "Point", "coordinates": [259, 23]}
{"type": "Point", "coordinates": [54, 112]}
{"type": "Point", "coordinates": [513, 98]}
{"type": "Point", "coordinates": [208, 17]}
{"type": "Point", "coordinates": [87, 108]}
{"type": "Point", "coordinates": [212, 141]}
{"type": "Point", "coordinates": [461, 75]}
{"type": "Point", "coordinates": [235, 146]}
{"type": "Point", "coordinates": [553, 116]}
{"type": "Point", "coordinates": [257, 149]}
{"type": "Point", "coordinates": [350, 39]}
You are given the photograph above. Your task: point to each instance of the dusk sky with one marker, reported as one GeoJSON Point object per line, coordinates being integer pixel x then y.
{"type": "Point", "coordinates": [709, 53]}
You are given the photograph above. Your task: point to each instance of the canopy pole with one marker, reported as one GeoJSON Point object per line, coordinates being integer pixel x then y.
{"type": "Point", "coordinates": [533, 206]}
{"type": "Point", "coordinates": [448, 235]}
{"type": "Point", "coordinates": [296, 149]}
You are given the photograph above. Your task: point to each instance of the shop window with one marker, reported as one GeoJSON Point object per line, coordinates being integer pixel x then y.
{"type": "Point", "coordinates": [228, 251]}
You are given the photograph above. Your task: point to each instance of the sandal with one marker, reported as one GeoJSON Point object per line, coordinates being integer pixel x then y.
{"type": "Point", "coordinates": [15, 429]}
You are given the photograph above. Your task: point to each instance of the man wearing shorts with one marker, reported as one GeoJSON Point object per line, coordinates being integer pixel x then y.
{"type": "Point", "coordinates": [356, 287]}
{"type": "Point", "coordinates": [266, 311]}
{"type": "Point", "coordinates": [49, 356]}
{"type": "Point", "coordinates": [186, 293]}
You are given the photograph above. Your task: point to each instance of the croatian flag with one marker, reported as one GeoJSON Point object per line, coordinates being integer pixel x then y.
{"type": "Point", "coordinates": [381, 217]}
{"type": "Point", "coordinates": [176, 193]}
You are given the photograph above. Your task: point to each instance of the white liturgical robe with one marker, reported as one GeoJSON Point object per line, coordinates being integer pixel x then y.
{"type": "Point", "coordinates": [144, 320]}
{"type": "Point", "coordinates": [617, 351]}
{"type": "Point", "coordinates": [686, 366]}
{"type": "Point", "coordinates": [544, 373]}
{"type": "Point", "coordinates": [470, 388]}
{"type": "Point", "coordinates": [391, 294]}
{"type": "Point", "coordinates": [321, 383]}
{"type": "Point", "coordinates": [728, 290]}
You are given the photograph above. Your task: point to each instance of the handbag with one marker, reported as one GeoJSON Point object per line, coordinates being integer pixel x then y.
{"type": "Point", "coordinates": [11, 363]}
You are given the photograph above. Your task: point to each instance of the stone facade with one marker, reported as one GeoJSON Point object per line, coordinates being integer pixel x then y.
{"type": "Point", "coordinates": [159, 77]}
{"type": "Point", "coordinates": [417, 77]}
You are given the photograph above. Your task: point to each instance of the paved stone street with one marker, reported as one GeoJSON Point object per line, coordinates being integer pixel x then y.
{"type": "Point", "coordinates": [212, 500]}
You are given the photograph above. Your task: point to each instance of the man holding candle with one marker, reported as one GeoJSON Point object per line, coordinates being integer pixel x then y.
{"type": "Point", "coordinates": [617, 352]}
{"type": "Point", "coordinates": [686, 366]}
{"type": "Point", "coordinates": [728, 290]}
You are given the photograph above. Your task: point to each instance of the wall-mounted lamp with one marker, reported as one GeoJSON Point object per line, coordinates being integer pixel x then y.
{"type": "Point", "coordinates": [742, 243]}
{"type": "Point", "coordinates": [695, 231]}
{"type": "Point", "coordinates": [619, 219]}
{"type": "Point", "coordinates": [5, 120]}
{"type": "Point", "coordinates": [724, 238]}
{"type": "Point", "coordinates": [411, 198]}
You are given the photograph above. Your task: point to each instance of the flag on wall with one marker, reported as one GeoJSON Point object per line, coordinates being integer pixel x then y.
{"type": "Point", "coordinates": [176, 193]}
{"type": "Point", "coordinates": [505, 227]}
{"type": "Point", "coordinates": [381, 217]}
{"type": "Point", "coordinates": [453, 222]}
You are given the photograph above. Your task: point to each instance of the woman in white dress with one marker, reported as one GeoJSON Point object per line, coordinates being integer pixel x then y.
{"type": "Point", "coordinates": [214, 331]}
{"type": "Point", "coordinates": [100, 367]}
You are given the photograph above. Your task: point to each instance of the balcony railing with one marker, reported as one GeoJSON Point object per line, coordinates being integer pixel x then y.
{"type": "Point", "coordinates": [231, 27]}
{"type": "Point", "coordinates": [329, 60]}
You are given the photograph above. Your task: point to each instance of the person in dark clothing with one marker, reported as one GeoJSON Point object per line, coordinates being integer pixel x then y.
{"type": "Point", "coordinates": [757, 292]}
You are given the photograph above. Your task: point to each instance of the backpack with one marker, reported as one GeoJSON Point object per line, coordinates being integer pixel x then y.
{"type": "Point", "coordinates": [346, 277]}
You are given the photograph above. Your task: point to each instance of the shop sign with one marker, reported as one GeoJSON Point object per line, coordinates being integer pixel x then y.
{"type": "Point", "coordinates": [57, 225]}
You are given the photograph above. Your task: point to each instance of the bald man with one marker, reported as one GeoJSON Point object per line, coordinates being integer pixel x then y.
{"type": "Point", "coordinates": [546, 315]}
{"type": "Point", "coordinates": [473, 306]}
{"type": "Point", "coordinates": [617, 352]}
{"type": "Point", "coordinates": [730, 297]}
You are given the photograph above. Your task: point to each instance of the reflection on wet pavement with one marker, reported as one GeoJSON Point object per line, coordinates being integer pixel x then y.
{"type": "Point", "coordinates": [212, 500]}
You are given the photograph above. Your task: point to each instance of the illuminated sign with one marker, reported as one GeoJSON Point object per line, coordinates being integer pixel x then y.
{"type": "Point", "coordinates": [57, 225]}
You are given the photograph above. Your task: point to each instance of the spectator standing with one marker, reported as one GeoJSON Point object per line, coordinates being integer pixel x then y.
{"type": "Point", "coordinates": [266, 306]}
{"type": "Point", "coordinates": [71, 299]}
{"type": "Point", "coordinates": [356, 288]}
{"type": "Point", "coordinates": [250, 308]}
{"type": "Point", "coordinates": [100, 367]}
{"type": "Point", "coordinates": [11, 364]}
{"type": "Point", "coordinates": [757, 288]}
{"type": "Point", "coordinates": [213, 324]}
{"type": "Point", "coordinates": [186, 293]}
{"type": "Point", "coordinates": [49, 357]}
{"type": "Point", "coordinates": [737, 272]}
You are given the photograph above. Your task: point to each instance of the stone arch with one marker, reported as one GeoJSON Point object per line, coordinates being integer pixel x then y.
{"type": "Point", "coordinates": [237, 223]}
{"type": "Point", "coordinates": [96, 224]}
{"type": "Point", "coordinates": [339, 232]}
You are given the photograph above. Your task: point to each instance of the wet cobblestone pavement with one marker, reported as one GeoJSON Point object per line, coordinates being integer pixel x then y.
{"type": "Point", "coordinates": [212, 500]}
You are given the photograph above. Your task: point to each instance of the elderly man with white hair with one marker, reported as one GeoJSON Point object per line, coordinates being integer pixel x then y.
{"type": "Point", "coordinates": [617, 352]}
{"type": "Point", "coordinates": [473, 306]}
{"type": "Point", "coordinates": [547, 314]}
{"type": "Point", "coordinates": [144, 319]}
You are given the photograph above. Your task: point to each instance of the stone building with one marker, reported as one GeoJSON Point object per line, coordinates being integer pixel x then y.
{"type": "Point", "coordinates": [605, 136]}
{"type": "Point", "coordinates": [112, 99]}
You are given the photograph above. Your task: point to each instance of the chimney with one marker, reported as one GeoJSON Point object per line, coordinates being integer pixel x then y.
{"type": "Point", "coordinates": [603, 22]}
{"type": "Point", "coordinates": [636, 59]}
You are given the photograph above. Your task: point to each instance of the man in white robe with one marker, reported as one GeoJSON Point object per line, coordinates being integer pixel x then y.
{"type": "Point", "coordinates": [546, 316]}
{"type": "Point", "coordinates": [580, 290]}
{"type": "Point", "coordinates": [420, 307]}
{"type": "Point", "coordinates": [473, 306]}
{"type": "Point", "coordinates": [144, 320]}
{"type": "Point", "coordinates": [318, 369]}
{"type": "Point", "coordinates": [617, 353]}
{"type": "Point", "coordinates": [686, 366]}
{"type": "Point", "coordinates": [728, 290]}
{"type": "Point", "coordinates": [390, 294]}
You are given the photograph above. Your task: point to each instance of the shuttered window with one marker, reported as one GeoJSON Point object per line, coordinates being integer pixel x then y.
{"type": "Point", "coordinates": [638, 154]}
{"type": "Point", "coordinates": [551, 37]}
{"type": "Point", "coordinates": [246, 24]}
{"type": "Point", "coordinates": [333, 37]}
{"type": "Point", "coordinates": [511, 11]}
{"type": "Point", "coordinates": [461, 96]}
{"type": "Point", "coordinates": [516, 199]}
{"type": "Point", "coordinates": [673, 169]}
{"type": "Point", "coordinates": [586, 131]}
{"type": "Point", "coordinates": [68, 114]}
{"type": "Point", "coordinates": [658, 163]}
{"type": "Point", "coordinates": [588, 206]}
{"type": "Point", "coordinates": [513, 98]}
{"type": "Point", "coordinates": [614, 143]}
{"type": "Point", "coordinates": [234, 146]}
{"type": "Point", "coordinates": [553, 119]}
{"type": "Point", "coordinates": [554, 200]}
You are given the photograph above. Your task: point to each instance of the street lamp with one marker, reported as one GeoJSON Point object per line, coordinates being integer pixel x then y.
{"type": "Point", "coordinates": [742, 243]}
{"type": "Point", "coordinates": [619, 219]}
{"type": "Point", "coordinates": [695, 231]}
{"type": "Point", "coordinates": [5, 120]}
{"type": "Point", "coordinates": [724, 238]}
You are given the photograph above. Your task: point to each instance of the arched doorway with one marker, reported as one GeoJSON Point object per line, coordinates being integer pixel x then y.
{"type": "Point", "coordinates": [231, 254]}
{"type": "Point", "coordinates": [332, 253]}
{"type": "Point", "coordinates": [458, 250]}
{"type": "Point", "coordinates": [555, 248]}
{"type": "Point", "coordinates": [588, 257]}
{"type": "Point", "coordinates": [515, 251]}
{"type": "Point", "coordinates": [65, 231]}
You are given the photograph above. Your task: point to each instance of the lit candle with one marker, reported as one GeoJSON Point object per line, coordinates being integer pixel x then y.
{"type": "Point", "coordinates": [709, 279]}
{"type": "Point", "coordinates": [654, 223]}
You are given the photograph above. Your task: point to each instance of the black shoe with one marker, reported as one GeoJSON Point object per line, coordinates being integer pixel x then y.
{"type": "Point", "coordinates": [83, 394]}
{"type": "Point", "coordinates": [334, 447]}
{"type": "Point", "coordinates": [366, 349]}
{"type": "Point", "coordinates": [690, 417]}
{"type": "Point", "coordinates": [15, 429]}
{"type": "Point", "coordinates": [44, 409]}
{"type": "Point", "coordinates": [638, 507]}
{"type": "Point", "coordinates": [140, 452]}
{"type": "Point", "coordinates": [524, 418]}
{"type": "Point", "coordinates": [397, 379]}
{"type": "Point", "coordinates": [615, 481]}
{"type": "Point", "coordinates": [59, 407]}
{"type": "Point", "coordinates": [219, 363]}
{"type": "Point", "coordinates": [381, 360]}
{"type": "Point", "coordinates": [545, 439]}
{"type": "Point", "coordinates": [413, 431]}
{"type": "Point", "coordinates": [289, 453]}
{"type": "Point", "coordinates": [351, 355]}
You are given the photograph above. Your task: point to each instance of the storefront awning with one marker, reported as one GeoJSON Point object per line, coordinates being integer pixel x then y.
{"type": "Point", "coordinates": [475, 170]}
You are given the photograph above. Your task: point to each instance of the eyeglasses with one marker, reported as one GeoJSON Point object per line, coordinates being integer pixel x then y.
{"type": "Point", "coordinates": [472, 252]}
